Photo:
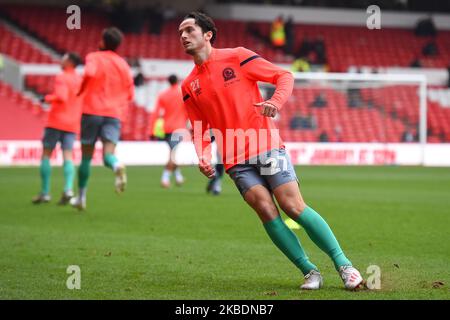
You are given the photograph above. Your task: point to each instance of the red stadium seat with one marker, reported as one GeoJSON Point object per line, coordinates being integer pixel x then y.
{"type": "Point", "coordinates": [13, 45]}
{"type": "Point", "coordinates": [16, 108]}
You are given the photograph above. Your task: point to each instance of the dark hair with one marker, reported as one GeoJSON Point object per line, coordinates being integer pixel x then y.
{"type": "Point", "coordinates": [173, 79]}
{"type": "Point", "coordinates": [112, 37]}
{"type": "Point", "coordinates": [74, 58]}
{"type": "Point", "coordinates": [204, 22]}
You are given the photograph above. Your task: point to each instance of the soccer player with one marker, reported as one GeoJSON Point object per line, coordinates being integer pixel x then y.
{"type": "Point", "coordinates": [62, 126]}
{"type": "Point", "coordinates": [106, 89]}
{"type": "Point", "coordinates": [221, 93]}
{"type": "Point", "coordinates": [169, 106]}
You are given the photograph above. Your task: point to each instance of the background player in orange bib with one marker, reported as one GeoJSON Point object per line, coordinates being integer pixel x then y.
{"type": "Point", "coordinates": [62, 126]}
{"type": "Point", "coordinates": [169, 107]}
{"type": "Point", "coordinates": [107, 89]}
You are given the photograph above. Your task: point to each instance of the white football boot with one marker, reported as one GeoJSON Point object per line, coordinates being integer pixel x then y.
{"type": "Point", "coordinates": [351, 277]}
{"type": "Point", "coordinates": [78, 203]}
{"type": "Point", "coordinates": [121, 179]}
{"type": "Point", "coordinates": [313, 281]}
{"type": "Point", "coordinates": [179, 179]}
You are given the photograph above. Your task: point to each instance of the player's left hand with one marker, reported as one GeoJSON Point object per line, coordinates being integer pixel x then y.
{"type": "Point", "coordinates": [206, 168]}
{"type": "Point", "coordinates": [267, 109]}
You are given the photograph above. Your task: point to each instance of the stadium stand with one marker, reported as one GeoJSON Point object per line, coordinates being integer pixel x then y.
{"type": "Point", "coordinates": [379, 120]}
{"type": "Point", "coordinates": [355, 46]}
{"type": "Point", "coordinates": [40, 84]}
{"type": "Point", "coordinates": [45, 23]}
{"type": "Point", "coordinates": [135, 126]}
{"type": "Point", "coordinates": [406, 108]}
{"type": "Point", "coordinates": [19, 49]}
{"type": "Point", "coordinates": [352, 46]}
{"type": "Point", "coordinates": [341, 123]}
{"type": "Point", "coordinates": [17, 108]}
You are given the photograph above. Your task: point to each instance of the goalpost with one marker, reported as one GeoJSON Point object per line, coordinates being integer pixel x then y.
{"type": "Point", "coordinates": [357, 109]}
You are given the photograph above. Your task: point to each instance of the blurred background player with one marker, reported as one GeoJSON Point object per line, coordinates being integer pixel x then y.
{"type": "Point", "coordinates": [106, 89]}
{"type": "Point", "coordinates": [221, 93]}
{"type": "Point", "coordinates": [214, 185]}
{"type": "Point", "coordinates": [63, 124]}
{"type": "Point", "coordinates": [170, 108]}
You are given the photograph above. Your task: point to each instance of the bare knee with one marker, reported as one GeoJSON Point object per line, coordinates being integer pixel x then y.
{"type": "Point", "coordinates": [259, 198]}
{"type": "Point", "coordinates": [267, 211]}
{"type": "Point", "coordinates": [47, 153]}
{"type": "Point", "coordinates": [293, 207]}
{"type": "Point", "coordinates": [67, 155]}
{"type": "Point", "coordinates": [290, 199]}
{"type": "Point", "coordinates": [108, 147]}
{"type": "Point", "coordinates": [171, 165]}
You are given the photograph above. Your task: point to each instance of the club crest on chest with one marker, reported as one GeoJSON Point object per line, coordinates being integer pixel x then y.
{"type": "Point", "coordinates": [228, 74]}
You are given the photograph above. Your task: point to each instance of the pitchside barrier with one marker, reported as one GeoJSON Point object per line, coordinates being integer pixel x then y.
{"type": "Point", "coordinates": [28, 153]}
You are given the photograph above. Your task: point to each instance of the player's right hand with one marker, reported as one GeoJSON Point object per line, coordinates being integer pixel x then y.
{"type": "Point", "coordinates": [206, 168]}
{"type": "Point", "coordinates": [267, 109]}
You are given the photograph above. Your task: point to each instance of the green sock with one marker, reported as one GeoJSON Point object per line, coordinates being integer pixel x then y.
{"type": "Point", "coordinates": [289, 244]}
{"type": "Point", "coordinates": [321, 234]}
{"type": "Point", "coordinates": [110, 160]}
{"type": "Point", "coordinates": [83, 172]}
{"type": "Point", "coordinates": [45, 171]}
{"type": "Point", "coordinates": [68, 175]}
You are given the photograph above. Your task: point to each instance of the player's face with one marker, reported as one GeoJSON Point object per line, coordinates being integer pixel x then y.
{"type": "Point", "coordinates": [192, 37]}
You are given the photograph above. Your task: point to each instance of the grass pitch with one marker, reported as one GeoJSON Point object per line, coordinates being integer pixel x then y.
{"type": "Point", "coordinates": [180, 243]}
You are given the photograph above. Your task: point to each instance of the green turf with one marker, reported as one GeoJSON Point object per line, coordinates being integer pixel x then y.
{"type": "Point", "coordinates": [180, 243]}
